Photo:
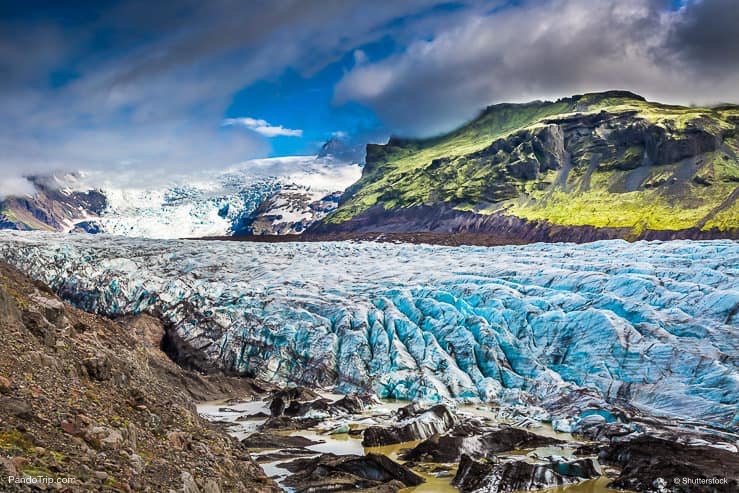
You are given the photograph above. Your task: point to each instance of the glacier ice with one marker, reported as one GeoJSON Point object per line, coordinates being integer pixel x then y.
{"type": "Point", "coordinates": [208, 203]}
{"type": "Point", "coordinates": [650, 324]}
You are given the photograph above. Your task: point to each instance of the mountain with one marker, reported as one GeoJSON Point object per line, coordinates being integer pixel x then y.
{"type": "Point", "coordinates": [592, 166]}
{"type": "Point", "coordinates": [222, 203]}
{"type": "Point", "coordinates": [290, 211]}
{"type": "Point", "coordinates": [56, 205]}
{"type": "Point", "coordinates": [341, 149]}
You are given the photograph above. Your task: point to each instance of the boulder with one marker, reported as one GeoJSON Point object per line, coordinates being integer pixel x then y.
{"type": "Point", "coordinates": [287, 423]}
{"type": "Point", "coordinates": [40, 327]}
{"type": "Point", "coordinates": [504, 477]}
{"type": "Point", "coordinates": [292, 398]}
{"type": "Point", "coordinates": [6, 386]}
{"type": "Point", "coordinates": [99, 367]}
{"type": "Point", "coordinates": [475, 441]}
{"type": "Point", "coordinates": [262, 440]}
{"type": "Point", "coordinates": [20, 408]}
{"type": "Point", "coordinates": [350, 404]}
{"type": "Point", "coordinates": [438, 419]}
{"type": "Point", "coordinates": [644, 460]}
{"type": "Point", "coordinates": [329, 472]}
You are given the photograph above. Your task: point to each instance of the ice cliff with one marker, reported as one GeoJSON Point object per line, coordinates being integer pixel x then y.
{"type": "Point", "coordinates": [652, 325]}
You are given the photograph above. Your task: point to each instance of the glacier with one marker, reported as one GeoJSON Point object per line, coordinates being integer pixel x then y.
{"type": "Point", "coordinates": [649, 325]}
{"type": "Point", "coordinates": [284, 194]}
{"type": "Point", "coordinates": [223, 203]}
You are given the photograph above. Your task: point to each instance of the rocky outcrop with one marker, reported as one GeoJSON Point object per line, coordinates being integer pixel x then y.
{"type": "Point", "coordinates": [89, 399]}
{"type": "Point", "coordinates": [329, 473]}
{"type": "Point", "coordinates": [292, 210]}
{"type": "Point", "coordinates": [418, 426]}
{"type": "Point", "coordinates": [505, 477]}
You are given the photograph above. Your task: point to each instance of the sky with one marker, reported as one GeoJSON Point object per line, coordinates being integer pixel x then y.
{"type": "Point", "coordinates": [140, 91]}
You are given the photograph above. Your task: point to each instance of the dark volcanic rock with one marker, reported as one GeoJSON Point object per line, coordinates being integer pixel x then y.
{"type": "Point", "coordinates": [330, 472]}
{"type": "Point", "coordinates": [263, 440]}
{"type": "Point", "coordinates": [296, 408]}
{"type": "Point", "coordinates": [438, 419]}
{"type": "Point", "coordinates": [476, 442]}
{"type": "Point", "coordinates": [287, 423]}
{"type": "Point", "coordinates": [284, 454]}
{"type": "Point", "coordinates": [292, 398]}
{"type": "Point", "coordinates": [298, 401]}
{"type": "Point", "coordinates": [350, 404]}
{"type": "Point", "coordinates": [646, 459]}
{"type": "Point", "coordinates": [520, 475]}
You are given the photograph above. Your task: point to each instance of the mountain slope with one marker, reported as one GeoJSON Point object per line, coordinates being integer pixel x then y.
{"type": "Point", "coordinates": [54, 207]}
{"type": "Point", "coordinates": [593, 166]}
{"type": "Point", "coordinates": [96, 404]}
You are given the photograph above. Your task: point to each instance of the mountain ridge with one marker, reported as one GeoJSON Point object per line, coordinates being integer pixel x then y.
{"type": "Point", "coordinates": [610, 162]}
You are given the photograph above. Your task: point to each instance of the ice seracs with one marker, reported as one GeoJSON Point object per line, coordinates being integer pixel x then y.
{"type": "Point", "coordinates": [645, 326]}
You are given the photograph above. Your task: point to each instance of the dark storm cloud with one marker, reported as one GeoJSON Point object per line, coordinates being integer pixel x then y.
{"type": "Point", "coordinates": [547, 49]}
{"type": "Point", "coordinates": [706, 36]}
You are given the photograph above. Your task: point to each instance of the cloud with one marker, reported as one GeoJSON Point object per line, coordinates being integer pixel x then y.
{"type": "Point", "coordinates": [263, 127]}
{"type": "Point", "coordinates": [11, 186]}
{"type": "Point", "coordinates": [548, 49]}
{"type": "Point", "coordinates": [135, 90]}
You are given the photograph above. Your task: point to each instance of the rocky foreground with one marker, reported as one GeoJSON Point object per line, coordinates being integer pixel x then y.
{"type": "Point", "coordinates": [296, 433]}
{"type": "Point", "coordinates": [95, 404]}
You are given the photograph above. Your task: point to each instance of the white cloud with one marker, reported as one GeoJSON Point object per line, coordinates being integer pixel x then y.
{"type": "Point", "coordinates": [360, 57]}
{"type": "Point", "coordinates": [149, 105]}
{"type": "Point", "coordinates": [263, 127]}
{"type": "Point", "coordinates": [11, 186]}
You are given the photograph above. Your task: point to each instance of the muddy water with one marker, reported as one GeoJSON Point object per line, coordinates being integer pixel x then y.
{"type": "Point", "coordinates": [437, 478]}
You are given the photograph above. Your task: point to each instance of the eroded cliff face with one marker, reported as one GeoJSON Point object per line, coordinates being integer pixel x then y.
{"type": "Point", "coordinates": [644, 326]}
{"type": "Point", "coordinates": [609, 161]}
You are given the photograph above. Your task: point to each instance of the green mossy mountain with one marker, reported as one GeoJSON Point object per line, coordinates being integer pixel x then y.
{"type": "Point", "coordinates": [603, 162]}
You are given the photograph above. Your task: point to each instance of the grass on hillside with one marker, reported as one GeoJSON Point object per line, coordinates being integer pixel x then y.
{"type": "Point", "coordinates": [423, 172]}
